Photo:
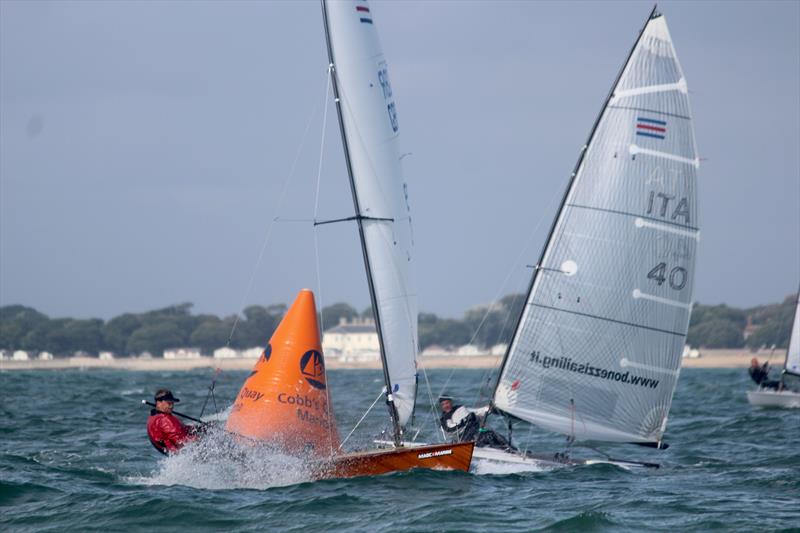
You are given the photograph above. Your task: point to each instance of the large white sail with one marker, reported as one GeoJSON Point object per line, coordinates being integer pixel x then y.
{"type": "Point", "coordinates": [792, 365]}
{"type": "Point", "coordinates": [597, 351]}
{"type": "Point", "coordinates": [371, 129]}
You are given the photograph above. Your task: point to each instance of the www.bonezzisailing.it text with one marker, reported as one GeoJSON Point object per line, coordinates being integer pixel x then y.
{"type": "Point", "coordinates": [566, 363]}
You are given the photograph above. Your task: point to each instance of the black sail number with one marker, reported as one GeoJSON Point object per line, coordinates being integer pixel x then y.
{"type": "Point", "coordinates": [677, 277]}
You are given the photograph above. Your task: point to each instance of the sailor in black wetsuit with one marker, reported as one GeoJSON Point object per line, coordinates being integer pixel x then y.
{"type": "Point", "coordinates": [464, 425]}
{"type": "Point", "coordinates": [760, 374]}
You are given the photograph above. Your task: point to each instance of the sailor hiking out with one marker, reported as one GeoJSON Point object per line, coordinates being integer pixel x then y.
{"type": "Point", "coordinates": [760, 374]}
{"type": "Point", "coordinates": [463, 424]}
{"type": "Point", "coordinates": [167, 433]}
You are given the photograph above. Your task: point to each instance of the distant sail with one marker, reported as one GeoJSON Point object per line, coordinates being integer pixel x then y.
{"type": "Point", "coordinates": [371, 126]}
{"type": "Point", "coordinates": [597, 351]}
{"type": "Point", "coordinates": [792, 365]}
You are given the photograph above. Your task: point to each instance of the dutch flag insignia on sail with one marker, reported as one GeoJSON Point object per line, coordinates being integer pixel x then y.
{"type": "Point", "coordinates": [363, 12]}
{"type": "Point", "coordinates": [650, 127]}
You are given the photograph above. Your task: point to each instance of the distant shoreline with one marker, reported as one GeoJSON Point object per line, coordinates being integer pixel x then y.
{"type": "Point", "coordinates": [709, 359]}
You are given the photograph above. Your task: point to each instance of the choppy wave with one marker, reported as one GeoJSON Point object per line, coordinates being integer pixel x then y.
{"type": "Point", "coordinates": [78, 459]}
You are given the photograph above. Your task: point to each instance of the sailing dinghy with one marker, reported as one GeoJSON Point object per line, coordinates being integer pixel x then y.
{"type": "Point", "coordinates": [596, 351]}
{"type": "Point", "coordinates": [788, 393]}
{"type": "Point", "coordinates": [369, 131]}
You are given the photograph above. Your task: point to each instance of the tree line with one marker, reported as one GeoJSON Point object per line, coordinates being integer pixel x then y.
{"type": "Point", "coordinates": [25, 328]}
{"type": "Point", "coordinates": [134, 333]}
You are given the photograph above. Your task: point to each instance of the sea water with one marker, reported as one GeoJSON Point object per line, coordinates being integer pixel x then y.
{"type": "Point", "coordinates": [74, 456]}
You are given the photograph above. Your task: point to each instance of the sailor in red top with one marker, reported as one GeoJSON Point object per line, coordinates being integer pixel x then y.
{"type": "Point", "coordinates": [166, 432]}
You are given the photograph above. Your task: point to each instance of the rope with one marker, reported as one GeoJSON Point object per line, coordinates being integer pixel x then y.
{"type": "Point", "coordinates": [433, 410]}
{"type": "Point", "coordinates": [571, 437]}
{"type": "Point", "coordinates": [316, 242]}
{"type": "Point", "coordinates": [211, 393]}
{"type": "Point", "coordinates": [527, 440]}
{"type": "Point", "coordinates": [362, 419]}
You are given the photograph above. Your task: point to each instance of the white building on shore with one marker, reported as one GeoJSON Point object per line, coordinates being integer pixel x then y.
{"type": "Point", "coordinates": [435, 350]}
{"type": "Point", "coordinates": [45, 356]}
{"type": "Point", "coordinates": [469, 350]}
{"type": "Point", "coordinates": [356, 340]}
{"type": "Point", "coordinates": [691, 353]}
{"type": "Point", "coordinates": [252, 353]}
{"type": "Point", "coordinates": [182, 353]}
{"type": "Point", "coordinates": [20, 355]}
{"type": "Point", "coordinates": [498, 349]}
{"type": "Point", "coordinates": [226, 352]}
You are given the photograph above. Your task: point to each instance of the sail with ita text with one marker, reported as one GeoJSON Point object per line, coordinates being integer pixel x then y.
{"type": "Point", "coordinates": [597, 349]}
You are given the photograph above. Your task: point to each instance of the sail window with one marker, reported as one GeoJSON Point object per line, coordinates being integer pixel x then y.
{"type": "Point", "coordinates": [569, 267]}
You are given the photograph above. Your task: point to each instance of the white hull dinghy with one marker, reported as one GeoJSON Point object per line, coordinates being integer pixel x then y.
{"type": "Point", "coordinates": [596, 352]}
{"type": "Point", "coordinates": [486, 460]}
{"type": "Point", "coordinates": [788, 394]}
{"type": "Point", "coordinates": [768, 398]}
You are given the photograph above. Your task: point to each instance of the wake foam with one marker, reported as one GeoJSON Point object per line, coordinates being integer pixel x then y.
{"type": "Point", "coordinates": [223, 461]}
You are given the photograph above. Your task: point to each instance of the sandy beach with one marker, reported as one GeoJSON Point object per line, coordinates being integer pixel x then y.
{"type": "Point", "coordinates": [708, 359]}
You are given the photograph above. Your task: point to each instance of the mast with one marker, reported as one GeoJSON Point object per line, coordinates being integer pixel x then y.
{"type": "Point", "coordinates": [359, 220]}
{"type": "Point", "coordinates": [653, 15]}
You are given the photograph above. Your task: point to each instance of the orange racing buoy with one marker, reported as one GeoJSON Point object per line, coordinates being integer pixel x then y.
{"type": "Point", "coordinates": [285, 398]}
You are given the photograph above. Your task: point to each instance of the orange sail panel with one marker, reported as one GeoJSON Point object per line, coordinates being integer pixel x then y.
{"type": "Point", "coordinates": [285, 398]}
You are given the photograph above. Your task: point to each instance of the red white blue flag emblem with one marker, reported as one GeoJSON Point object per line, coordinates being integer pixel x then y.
{"type": "Point", "coordinates": [363, 12]}
{"type": "Point", "coordinates": [650, 127]}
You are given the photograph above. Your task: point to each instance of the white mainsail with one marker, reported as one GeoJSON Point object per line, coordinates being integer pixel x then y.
{"type": "Point", "coordinates": [597, 351]}
{"type": "Point", "coordinates": [792, 364]}
{"type": "Point", "coordinates": [371, 130]}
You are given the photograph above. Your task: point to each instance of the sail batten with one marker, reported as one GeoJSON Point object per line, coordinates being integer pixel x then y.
{"type": "Point", "coordinates": [369, 123]}
{"type": "Point", "coordinates": [596, 352]}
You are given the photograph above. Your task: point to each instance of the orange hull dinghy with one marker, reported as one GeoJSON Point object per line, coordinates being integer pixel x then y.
{"type": "Point", "coordinates": [435, 457]}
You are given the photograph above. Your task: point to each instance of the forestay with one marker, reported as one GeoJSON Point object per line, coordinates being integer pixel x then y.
{"type": "Point", "coordinates": [371, 128]}
{"type": "Point", "coordinates": [597, 351]}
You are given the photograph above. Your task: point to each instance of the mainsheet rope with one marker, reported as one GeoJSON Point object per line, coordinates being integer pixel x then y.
{"type": "Point", "coordinates": [361, 420]}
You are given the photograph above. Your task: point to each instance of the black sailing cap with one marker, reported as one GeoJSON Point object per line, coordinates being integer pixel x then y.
{"type": "Point", "coordinates": [165, 394]}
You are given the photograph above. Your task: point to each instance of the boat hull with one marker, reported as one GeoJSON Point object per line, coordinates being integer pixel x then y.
{"type": "Point", "coordinates": [517, 461]}
{"type": "Point", "coordinates": [435, 457]}
{"type": "Point", "coordinates": [531, 461]}
{"type": "Point", "coordinates": [770, 398]}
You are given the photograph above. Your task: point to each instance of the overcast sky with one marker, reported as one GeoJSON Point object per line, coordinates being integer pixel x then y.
{"type": "Point", "coordinates": [144, 147]}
